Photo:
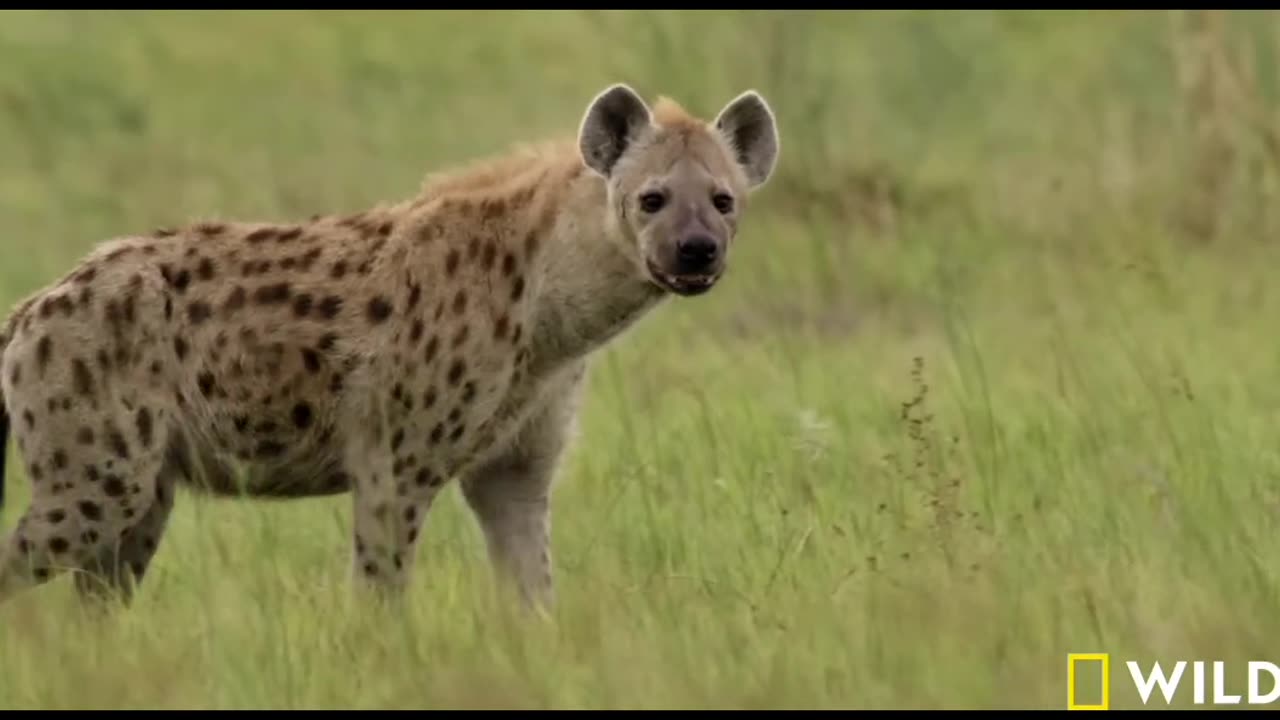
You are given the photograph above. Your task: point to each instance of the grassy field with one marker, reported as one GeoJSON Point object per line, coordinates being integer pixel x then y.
{"type": "Point", "coordinates": [990, 379]}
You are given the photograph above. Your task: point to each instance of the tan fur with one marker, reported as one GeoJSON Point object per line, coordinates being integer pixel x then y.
{"type": "Point", "coordinates": [383, 353]}
{"type": "Point", "coordinates": [670, 114]}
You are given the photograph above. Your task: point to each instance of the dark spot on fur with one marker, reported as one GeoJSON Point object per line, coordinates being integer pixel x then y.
{"type": "Point", "coordinates": [330, 307]}
{"type": "Point", "coordinates": [339, 269]}
{"type": "Point", "coordinates": [429, 398]}
{"type": "Point", "coordinates": [517, 288]}
{"type": "Point", "coordinates": [59, 460]}
{"type": "Point", "coordinates": [272, 294]}
{"type": "Point", "coordinates": [379, 309]}
{"type": "Point", "coordinates": [198, 312]}
{"type": "Point", "coordinates": [113, 486]}
{"type": "Point", "coordinates": [508, 265]}
{"type": "Point", "coordinates": [302, 416]}
{"type": "Point", "coordinates": [90, 510]}
{"type": "Point", "coordinates": [143, 420]}
{"type": "Point", "coordinates": [289, 235]}
{"type": "Point", "coordinates": [433, 345]}
{"type": "Point", "coordinates": [58, 545]}
{"type": "Point", "coordinates": [205, 381]}
{"type": "Point", "coordinates": [81, 378]}
{"type": "Point", "coordinates": [309, 258]}
{"type": "Point", "coordinates": [55, 516]}
{"type": "Point", "coordinates": [302, 305]}
{"type": "Point", "coordinates": [84, 435]}
{"type": "Point", "coordinates": [260, 235]}
{"type": "Point", "coordinates": [204, 269]}
{"type": "Point", "coordinates": [397, 439]}
{"type": "Point", "coordinates": [117, 444]}
{"type": "Point", "coordinates": [311, 360]}
{"type": "Point", "coordinates": [180, 347]}
{"type": "Point", "coordinates": [181, 281]}
{"type": "Point", "coordinates": [437, 433]}
{"type": "Point", "coordinates": [461, 336]}
{"type": "Point", "coordinates": [455, 372]}
{"type": "Point", "coordinates": [44, 348]}
{"type": "Point", "coordinates": [451, 262]}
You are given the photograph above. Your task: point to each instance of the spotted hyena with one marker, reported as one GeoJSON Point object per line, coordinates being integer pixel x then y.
{"type": "Point", "coordinates": [381, 353]}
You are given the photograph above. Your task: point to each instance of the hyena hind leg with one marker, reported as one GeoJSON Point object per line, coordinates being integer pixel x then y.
{"type": "Point", "coordinates": [90, 506]}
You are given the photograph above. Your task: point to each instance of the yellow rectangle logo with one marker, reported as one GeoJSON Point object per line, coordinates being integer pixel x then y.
{"type": "Point", "coordinates": [1074, 659]}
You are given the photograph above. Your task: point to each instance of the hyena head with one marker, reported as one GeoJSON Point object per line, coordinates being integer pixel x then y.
{"type": "Point", "coordinates": [677, 184]}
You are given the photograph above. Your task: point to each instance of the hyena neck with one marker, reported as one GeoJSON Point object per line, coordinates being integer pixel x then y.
{"type": "Point", "coordinates": [591, 288]}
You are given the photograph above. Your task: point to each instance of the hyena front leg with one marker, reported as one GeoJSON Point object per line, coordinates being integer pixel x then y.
{"type": "Point", "coordinates": [510, 497]}
{"type": "Point", "coordinates": [394, 485]}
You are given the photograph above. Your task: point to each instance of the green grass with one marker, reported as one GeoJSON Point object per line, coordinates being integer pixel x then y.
{"type": "Point", "coordinates": [981, 216]}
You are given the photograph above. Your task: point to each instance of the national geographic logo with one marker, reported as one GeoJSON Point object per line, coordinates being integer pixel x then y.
{"type": "Point", "coordinates": [1089, 681]}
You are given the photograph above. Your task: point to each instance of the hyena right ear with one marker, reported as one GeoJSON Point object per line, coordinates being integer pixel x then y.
{"type": "Point", "coordinates": [613, 118]}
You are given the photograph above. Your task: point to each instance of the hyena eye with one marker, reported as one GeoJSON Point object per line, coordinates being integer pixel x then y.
{"type": "Point", "coordinates": [723, 203]}
{"type": "Point", "coordinates": [652, 202]}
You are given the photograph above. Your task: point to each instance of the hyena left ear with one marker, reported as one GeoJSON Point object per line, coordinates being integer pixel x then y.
{"type": "Point", "coordinates": [748, 124]}
{"type": "Point", "coordinates": [613, 119]}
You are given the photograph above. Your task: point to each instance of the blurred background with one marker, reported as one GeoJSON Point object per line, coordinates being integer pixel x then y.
{"type": "Point", "coordinates": [991, 377]}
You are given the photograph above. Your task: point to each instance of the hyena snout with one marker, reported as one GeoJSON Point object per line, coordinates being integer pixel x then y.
{"type": "Point", "coordinates": [697, 255]}
{"type": "Point", "coordinates": [690, 265]}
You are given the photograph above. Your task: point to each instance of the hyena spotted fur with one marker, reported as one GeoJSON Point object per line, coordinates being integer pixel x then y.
{"type": "Point", "coordinates": [382, 353]}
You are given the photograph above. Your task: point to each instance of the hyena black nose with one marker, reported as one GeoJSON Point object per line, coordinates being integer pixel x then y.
{"type": "Point", "coordinates": [696, 254]}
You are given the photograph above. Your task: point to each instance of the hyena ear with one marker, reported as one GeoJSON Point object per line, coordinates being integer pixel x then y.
{"type": "Point", "coordinates": [613, 118]}
{"type": "Point", "coordinates": [748, 124]}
